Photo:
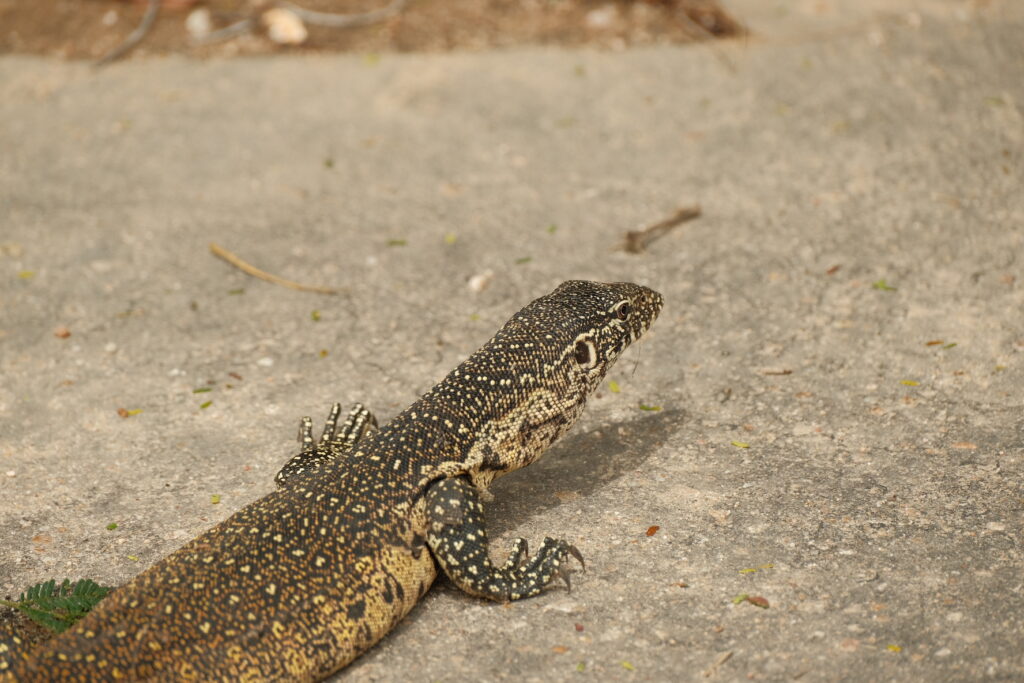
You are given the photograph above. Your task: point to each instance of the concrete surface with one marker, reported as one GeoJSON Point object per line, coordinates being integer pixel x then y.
{"type": "Point", "coordinates": [878, 507]}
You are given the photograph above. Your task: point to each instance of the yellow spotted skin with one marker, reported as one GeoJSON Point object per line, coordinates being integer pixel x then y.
{"type": "Point", "coordinates": [299, 583]}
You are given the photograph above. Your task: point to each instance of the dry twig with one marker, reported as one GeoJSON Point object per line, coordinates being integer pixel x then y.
{"type": "Point", "coordinates": [250, 269]}
{"type": "Point", "coordinates": [135, 37]}
{"type": "Point", "coordinates": [636, 241]}
{"type": "Point", "coordinates": [249, 24]}
{"type": "Point", "coordinates": [345, 20]}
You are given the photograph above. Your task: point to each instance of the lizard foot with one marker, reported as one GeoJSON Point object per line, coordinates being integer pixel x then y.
{"type": "Point", "coordinates": [458, 539]}
{"type": "Point", "coordinates": [334, 442]}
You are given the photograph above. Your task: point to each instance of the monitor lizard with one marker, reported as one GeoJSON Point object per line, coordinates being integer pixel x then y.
{"type": "Point", "coordinates": [302, 581]}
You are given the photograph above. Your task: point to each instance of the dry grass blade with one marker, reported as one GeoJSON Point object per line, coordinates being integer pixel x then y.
{"type": "Point", "coordinates": [135, 37]}
{"type": "Point", "coordinates": [346, 20]}
{"type": "Point", "coordinates": [250, 269]}
{"type": "Point", "coordinates": [636, 241]}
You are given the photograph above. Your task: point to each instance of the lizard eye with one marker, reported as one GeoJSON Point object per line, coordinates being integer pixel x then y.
{"type": "Point", "coordinates": [585, 353]}
{"type": "Point", "coordinates": [623, 310]}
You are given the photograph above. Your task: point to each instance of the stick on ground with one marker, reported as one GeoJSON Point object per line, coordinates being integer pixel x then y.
{"type": "Point", "coordinates": [250, 269]}
{"type": "Point", "coordinates": [346, 20]}
{"type": "Point", "coordinates": [135, 37]}
{"type": "Point", "coordinates": [636, 241]}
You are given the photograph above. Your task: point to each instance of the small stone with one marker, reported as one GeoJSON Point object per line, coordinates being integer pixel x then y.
{"type": "Point", "coordinates": [110, 347]}
{"type": "Point", "coordinates": [480, 281]}
{"type": "Point", "coordinates": [284, 27]}
{"type": "Point", "coordinates": [601, 18]}
{"type": "Point", "coordinates": [61, 332]}
{"type": "Point", "coordinates": [265, 362]}
{"type": "Point", "coordinates": [199, 23]}
{"type": "Point", "coordinates": [11, 473]}
{"type": "Point", "coordinates": [944, 652]}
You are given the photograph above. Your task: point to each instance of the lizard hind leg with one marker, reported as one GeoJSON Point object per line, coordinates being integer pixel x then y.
{"type": "Point", "coordinates": [334, 442]}
{"type": "Point", "coordinates": [458, 539]}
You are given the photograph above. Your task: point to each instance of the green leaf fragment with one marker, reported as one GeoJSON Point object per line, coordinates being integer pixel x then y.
{"type": "Point", "coordinates": [740, 444]}
{"type": "Point", "coordinates": [949, 345]}
{"type": "Point", "coordinates": [627, 666]}
{"type": "Point", "coordinates": [236, 292]}
{"type": "Point", "coordinates": [111, 526]}
{"type": "Point", "coordinates": [750, 570]}
{"type": "Point", "coordinates": [739, 598]}
{"type": "Point", "coordinates": [450, 238]}
{"type": "Point", "coordinates": [133, 558]}
{"type": "Point", "coordinates": [881, 284]}
{"type": "Point", "coordinates": [523, 259]}
{"type": "Point", "coordinates": [202, 390]}
{"type": "Point", "coordinates": [397, 243]}
{"type": "Point", "coordinates": [581, 666]}
{"type": "Point", "coordinates": [204, 406]}
{"type": "Point", "coordinates": [909, 382]}
{"type": "Point", "coordinates": [315, 316]}
{"type": "Point", "coordinates": [613, 387]}
{"type": "Point", "coordinates": [652, 409]}
{"type": "Point", "coordinates": [552, 229]}
{"type": "Point", "coordinates": [215, 498]}
{"type": "Point", "coordinates": [56, 607]}
{"type": "Point", "coordinates": [26, 274]}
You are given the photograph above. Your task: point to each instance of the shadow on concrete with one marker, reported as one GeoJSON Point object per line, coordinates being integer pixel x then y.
{"type": "Point", "coordinates": [582, 463]}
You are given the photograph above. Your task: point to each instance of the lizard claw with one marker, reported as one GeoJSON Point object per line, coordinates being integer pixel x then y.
{"type": "Point", "coordinates": [576, 553]}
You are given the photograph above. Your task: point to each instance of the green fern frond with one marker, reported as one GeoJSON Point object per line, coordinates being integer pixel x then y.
{"type": "Point", "coordinates": [58, 606]}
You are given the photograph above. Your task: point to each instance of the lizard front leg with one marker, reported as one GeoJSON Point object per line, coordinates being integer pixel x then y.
{"type": "Point", "coordinates": [458, 538]}
{"type": "Point", "coordinates": [334, 442]}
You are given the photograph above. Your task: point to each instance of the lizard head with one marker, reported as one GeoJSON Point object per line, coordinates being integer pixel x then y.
{"type": "Point", "coordinates": [547, 360]}
{"type": "Point", "coordinates": [528, 385]}
{"type": "Point", "coordinates": [592, 323]}
{"type": "Point", "coordinates": [557, 350]}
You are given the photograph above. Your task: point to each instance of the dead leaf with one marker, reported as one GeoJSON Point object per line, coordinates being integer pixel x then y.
{"type": "Point", "coordinates": [758, 601]}
{"type": "Point", "coordinates": [651, 530]}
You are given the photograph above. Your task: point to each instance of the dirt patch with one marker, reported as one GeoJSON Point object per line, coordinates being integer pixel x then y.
{"type": "Point", "coordinates": [89, 29]}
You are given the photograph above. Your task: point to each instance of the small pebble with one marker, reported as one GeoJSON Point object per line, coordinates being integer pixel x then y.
{"type": "Point", "coordinates": [11, 473]}
{"type": "Point", "coordinates": [110, 347]}
{"type": "Point", "coordinates": [480, 281]}
{"type": "Point", "coordinates": [199, 23]}
{"type": "Point", "coordinates": [265, 362]}
{"type": "Point", "coordinates": [601, 18]}
{"type": "Point", "coordinates": [284, 27]}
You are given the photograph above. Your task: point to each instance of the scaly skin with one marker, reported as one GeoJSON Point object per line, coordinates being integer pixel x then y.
{"type": "Point", "coordinates": [297, 584]}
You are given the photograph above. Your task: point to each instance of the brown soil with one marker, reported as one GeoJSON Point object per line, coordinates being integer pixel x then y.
{"type": "Point", "coordinates": [88, 29]}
